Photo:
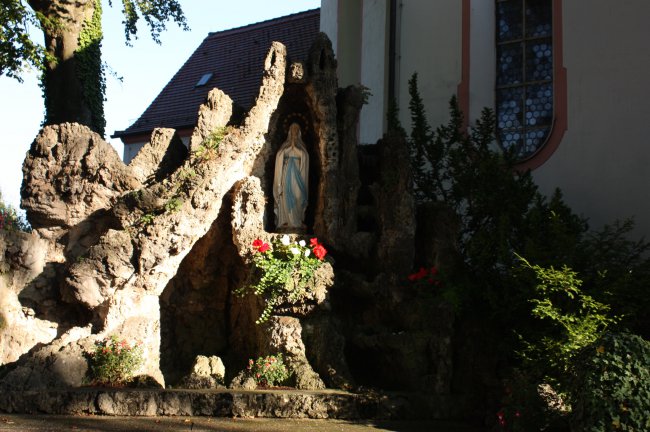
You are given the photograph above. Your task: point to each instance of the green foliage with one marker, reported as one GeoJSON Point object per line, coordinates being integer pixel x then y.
{"type": "Point", "coordinates": [186, 174]}
{"type": "Point", "coordinates": [268, 371]}
{"type": "Point", "coordinates": [365, 94]}
{"type": "Point", "coordinates": [526, 407]}
{"type": "Point", "coordinates": [494, 203]}
{"type": "Point", "coordinates": [567, 321]}
{"type": "Point", "coordinates": [208, 148]}
{"type": "Point", "coordinates": [501, 214]}
{"type": "Point", "coordinates": [114, 361]}
{"type": "Point", "coordinates": [392, 119]}
{"type": "Point", "coordinates": [173, 204]}
{"type": "Point", "coordinates": [17, 51]}
{"type": "Point", "coordinates": [90, 70]}
{"type": "Point", "coordinates": [11, 220]}
{"type": "Point", "coordinates": [146, 219]}
{"type": "Point", "coordinates": [156, 13]}
{"type": "Point", "coordinates": [284, 271]}
{"type": "Point", "coordinates": [617, 270]}
{"type": "Point", "coordinates": [611, 389]}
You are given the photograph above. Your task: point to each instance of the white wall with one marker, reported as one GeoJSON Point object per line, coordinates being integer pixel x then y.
{"type": "Point", "coordinates": [329, 20]}
{"type": "Point", "coordinates": [603, 162]}
{"type": "Point", "coordinates": [482, 60]}
{"type": "Point", "coordinates": [374, 68]}
{"type": "Point", "coordinates": [429, 44]}
{"type": "Point", "coordinates": [131, 150]}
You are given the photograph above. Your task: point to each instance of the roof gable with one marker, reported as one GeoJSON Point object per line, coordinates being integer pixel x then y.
{"type": "Point", "coordinates": [235, 58]}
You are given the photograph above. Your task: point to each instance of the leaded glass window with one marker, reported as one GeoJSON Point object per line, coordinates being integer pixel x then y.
{"type": "Point", "coordinates": [524, 78]}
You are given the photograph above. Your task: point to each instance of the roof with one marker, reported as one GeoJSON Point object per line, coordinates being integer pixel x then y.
{"type": "Point", "coordinates": [235, 58]}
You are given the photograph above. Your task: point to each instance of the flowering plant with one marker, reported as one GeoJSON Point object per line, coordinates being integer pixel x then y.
{"type": "Point", "coordinates": [269, 370]}
{"type": "Point", "coordinates": [429, 276]}
{"type": "Point", "coordinates": [113, 361]}
{"type": "Point", "coordinates": [286, 270]}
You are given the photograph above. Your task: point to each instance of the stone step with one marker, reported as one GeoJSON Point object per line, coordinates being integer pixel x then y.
{"type": "Point", "coordinates": [325, 404]}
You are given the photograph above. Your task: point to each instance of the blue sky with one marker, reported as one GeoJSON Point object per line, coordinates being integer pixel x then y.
{"type": "Point", "coordinates": [145, 68]}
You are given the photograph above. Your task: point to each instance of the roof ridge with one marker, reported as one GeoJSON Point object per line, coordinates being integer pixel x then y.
{"type": "Point", "coordinates": [262, 24]}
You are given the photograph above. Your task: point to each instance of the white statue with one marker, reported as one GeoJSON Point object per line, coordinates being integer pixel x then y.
{"type": "Point", "coordinates": [291, 182]}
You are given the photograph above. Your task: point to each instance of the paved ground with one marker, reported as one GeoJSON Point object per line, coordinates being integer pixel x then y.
{"type": "Point", "coordinates": [21, 422]}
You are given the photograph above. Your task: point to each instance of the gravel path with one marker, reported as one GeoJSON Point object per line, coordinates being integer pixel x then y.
{"type": "Point", "coordinates": [49, 423]}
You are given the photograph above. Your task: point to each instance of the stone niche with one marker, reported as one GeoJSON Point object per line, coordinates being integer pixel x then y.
{"type": "Point", "coordinates": [153, 251]}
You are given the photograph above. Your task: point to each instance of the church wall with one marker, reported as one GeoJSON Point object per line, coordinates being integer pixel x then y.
{"type": "Point", "coordinates": [602, 162]}
{"type": "Point", "coordinates": [374, 69]}
{"type": "Point", "coordinates": [429, 43]}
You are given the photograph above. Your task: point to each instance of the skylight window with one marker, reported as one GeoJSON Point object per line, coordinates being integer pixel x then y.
{"type": "Point", "coordinates": [204, 80]}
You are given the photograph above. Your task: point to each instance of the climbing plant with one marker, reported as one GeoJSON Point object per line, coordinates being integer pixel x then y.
{"type": "Point", "coordinates": [73, 76]}
{"type": "Point", "coordinates": [90, 69]}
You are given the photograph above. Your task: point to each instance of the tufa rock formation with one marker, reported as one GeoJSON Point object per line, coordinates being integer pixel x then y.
{"type": "Point", "coordinates": [154, 251]}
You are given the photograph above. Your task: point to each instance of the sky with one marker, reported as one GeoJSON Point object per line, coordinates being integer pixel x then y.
{"type": "Point", "coordinates": [145, 68]}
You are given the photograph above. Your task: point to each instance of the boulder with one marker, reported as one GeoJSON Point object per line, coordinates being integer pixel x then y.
{"type": "Point", "coordinates": [207, 373]}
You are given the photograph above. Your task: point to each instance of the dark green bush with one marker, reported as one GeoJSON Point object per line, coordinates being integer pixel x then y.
{"type": "Point", "coordinates": [611, 389]}
{"type": "Point", "coordinates": [528, 407]}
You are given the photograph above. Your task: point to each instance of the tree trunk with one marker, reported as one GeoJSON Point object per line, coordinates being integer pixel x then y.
{"type": "Point", "coordinates": [73, 82]}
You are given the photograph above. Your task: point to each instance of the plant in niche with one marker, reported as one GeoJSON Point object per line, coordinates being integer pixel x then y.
{"type": "Point", "coordinates": [269, 370]}
{"type": "Point", "coordinates": [284, 270]}
{"type": "Point", "coordinates": [208, 148]}
{"type": "Point", "coordinates": [113, 361]}
{"type": "Point", "coordinates": [173, 204]}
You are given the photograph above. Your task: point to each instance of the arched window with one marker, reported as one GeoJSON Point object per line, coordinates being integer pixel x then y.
{"type": "Point", "coordinates": [524, 75]}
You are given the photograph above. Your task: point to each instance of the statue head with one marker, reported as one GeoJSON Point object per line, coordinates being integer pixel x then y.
{"type": "Point", "coordinates": [294, 133]}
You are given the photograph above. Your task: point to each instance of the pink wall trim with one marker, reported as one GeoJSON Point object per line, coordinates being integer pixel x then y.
{"type": "Point", "coordinates": [463, 87]}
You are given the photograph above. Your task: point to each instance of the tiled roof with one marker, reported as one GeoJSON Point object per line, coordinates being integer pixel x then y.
{"type": "Point", "coordinates": [235, 58]}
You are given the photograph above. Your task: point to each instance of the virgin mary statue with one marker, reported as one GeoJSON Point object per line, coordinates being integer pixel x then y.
{"type": "Point", "coordinates": [290, 182]}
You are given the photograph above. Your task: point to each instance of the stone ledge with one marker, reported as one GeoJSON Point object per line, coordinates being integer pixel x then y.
{"type": "Point", "coordinates": [326, 404]}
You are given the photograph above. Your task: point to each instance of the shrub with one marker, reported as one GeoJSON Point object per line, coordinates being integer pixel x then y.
{"type": "Point", "coordinates": [113, 361]}
{"type": "Point", "coordinates": [499, 208]}
{"type": "Point", "coordinates": [611, 389]}
{"type": "Point", "coordinates": [617, 270]}
{"type": "Point", "coordinates": [269, 370]}
{"type": "Point", "coordinates": [567, 321]}
{"type": "Point", "coordinates": [527, 406]}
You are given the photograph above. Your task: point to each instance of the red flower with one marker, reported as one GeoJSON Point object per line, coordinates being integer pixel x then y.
{"type": "Point", "coordinates": [319, 251]}
{"type": "Point", "coordinates": [313, 242]}
{"type": "Point", "coordinates": [502, 418]}
{"type": "Point", "coordinates": [421, 274]}
{"type": "Point", "coordinates": [260, 246]}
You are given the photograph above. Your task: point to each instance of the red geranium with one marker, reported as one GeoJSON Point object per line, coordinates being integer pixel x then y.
{"type": "Point", "coordinates": [260, 246]}
{"type": "Point", "coordinates": [420, 274]}
{"type": "Point", "coordinates": [432, 274]}
{"type": "Point", "coordinates": [320, 251]}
